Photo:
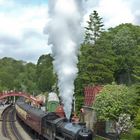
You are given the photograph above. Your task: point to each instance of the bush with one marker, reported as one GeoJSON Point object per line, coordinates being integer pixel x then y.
{"type": "Point", "coordinates": [135, 134]}
{"type": "Point", "coordinates": [137, 120]}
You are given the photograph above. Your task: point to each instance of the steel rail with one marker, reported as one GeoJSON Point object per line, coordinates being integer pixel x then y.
{"type": "Point", "coordinates": [9, 128]}
{"type": "Point", "coordinates": [4, 122]}
{"type": "Point", "coordinates": [13, 125]}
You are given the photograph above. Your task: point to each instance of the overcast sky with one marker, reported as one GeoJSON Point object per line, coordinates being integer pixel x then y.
{"type": "Point", "coordinates": [22, 23]}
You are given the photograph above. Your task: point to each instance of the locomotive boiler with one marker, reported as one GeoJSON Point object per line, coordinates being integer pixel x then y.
{"type": "Point", "coordinates": [49, 125]}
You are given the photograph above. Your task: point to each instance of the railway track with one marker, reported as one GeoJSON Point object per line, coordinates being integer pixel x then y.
{"type": "Point", "coordinates": [9, 128]}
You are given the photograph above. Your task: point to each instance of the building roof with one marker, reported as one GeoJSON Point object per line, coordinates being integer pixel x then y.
{"type": "Point", "coordinates": [90, 92]}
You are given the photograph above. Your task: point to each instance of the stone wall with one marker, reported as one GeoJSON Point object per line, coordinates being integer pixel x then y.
{"type": "Point", "coordinates": [89, 117]}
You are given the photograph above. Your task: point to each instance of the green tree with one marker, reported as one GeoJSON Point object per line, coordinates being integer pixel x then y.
{"type": "Point", "coordinates": [135, 133]}
{"type": "Point", "coordinates": [46, 78]}
{"type": "Point", "coordinates": [17, 75]}
{"type": "Point", "coordinates": [9, 70]}
{"type": "Point", "coordinates": [96, 60]}
{"type": "Point", "coordinates": [114, 100]}
{"type": "Point", "coordinates": [26, 80]}
{"type": "Point", "coordinates": [96, 65]}
{"type": "Point", "coordinates": [113, 57]}
{"type": "Point", "coordinates": [125, 43]}
{"type": "Point", "coordinates": [94, 28]}
{"type": "Point", "coordinates": [6, 80]}
{"type": "Point", "coordinates": [136, 66]}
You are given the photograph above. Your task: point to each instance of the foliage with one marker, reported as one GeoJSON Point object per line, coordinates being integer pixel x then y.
{"type": "Point", "coordinates": [26, 80]}
{"type": "Point", "coordinates": [137, 120]}
{"type": "Point", "coordinates": [22, 76]}
{"type": "Point", "coordinates": [114, 100]}
{"type": "Point", "coordinates": [123, 124]}
{"type": "Point", "coordinates": [9, 70]}
{"type": "Point", "coordinates": [96, 64]}
{"type": "Point", "coordinates": [136, 67]}
{"type": "Point", "coordinates": [136, 88]}
{"type": "Point", "coordinates": [94, 28]}
{"type": "Point", "coordinates": [135, 134]}
{"type": "Point", "coordinates": [125, 43]}
{"type": "Point", "coordinates": [46, 78]}
{"type": "Point", "coordinates": [114, 56]}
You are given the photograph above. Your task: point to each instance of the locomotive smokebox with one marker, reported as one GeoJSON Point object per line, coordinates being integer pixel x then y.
{"type": "Point", "coordinates": [85, 134]}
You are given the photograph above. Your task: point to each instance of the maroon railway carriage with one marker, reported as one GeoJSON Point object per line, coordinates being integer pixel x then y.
{"type": "Point", "coordinates": [29, 116]}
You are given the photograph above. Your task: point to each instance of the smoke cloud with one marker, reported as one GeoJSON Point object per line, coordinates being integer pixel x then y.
{"type": "Point", "coordinates": [65, 36]}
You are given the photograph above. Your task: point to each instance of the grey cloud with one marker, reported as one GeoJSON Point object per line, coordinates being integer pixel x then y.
{"type": "Point", "coordinates": [134, 5]}
{"type": "Point", "coordinates": [29, 55]}
{"type": "Point", "coordinates": [24, 49]}
{"type": "Point", "coordinates": [8, 40]}
{"type": "Point", "coordinates": [32, 33]}
{"type": "Point", "coordinates": [91, 3]}
{"type": "Point", "coordinates": [137, 17]}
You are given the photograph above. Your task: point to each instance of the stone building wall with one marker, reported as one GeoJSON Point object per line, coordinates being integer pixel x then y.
{"type": "Point", "coordinates": [89, 117]}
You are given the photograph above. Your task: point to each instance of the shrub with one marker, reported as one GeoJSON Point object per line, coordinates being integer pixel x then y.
{"type": "Point", "coordinates": [135, 134]}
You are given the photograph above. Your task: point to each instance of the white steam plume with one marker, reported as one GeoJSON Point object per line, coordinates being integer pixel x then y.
{"type": "Point", "coordinates": [65, 36]}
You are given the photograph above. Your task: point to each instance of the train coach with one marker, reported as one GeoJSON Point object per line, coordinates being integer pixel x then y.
{"type": "Point", "coordinates": [49, 125]}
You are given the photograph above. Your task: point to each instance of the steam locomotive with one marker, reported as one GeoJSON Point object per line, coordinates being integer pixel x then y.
{"type": "Point", "coordinates": [49, 125]}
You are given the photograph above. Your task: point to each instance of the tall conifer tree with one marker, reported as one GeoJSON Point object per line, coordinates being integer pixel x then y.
{"type": "Point", "coordinates": [94, 28]}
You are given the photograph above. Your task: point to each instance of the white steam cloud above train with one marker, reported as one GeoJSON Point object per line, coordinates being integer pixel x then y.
{"type": "Point", "coordinates": [65, 35]}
